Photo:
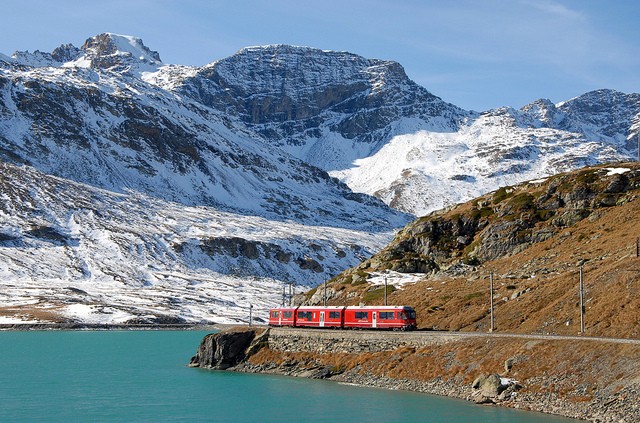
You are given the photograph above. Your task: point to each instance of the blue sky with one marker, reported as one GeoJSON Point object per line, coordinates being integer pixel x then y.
{"type": "Point", "coordinates": [477, 54]}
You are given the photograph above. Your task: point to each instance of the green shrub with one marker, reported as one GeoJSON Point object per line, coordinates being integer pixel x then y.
{"type": "Point", "coordinates": [377, 294]}
{"type": "Point", "coordinates": [586, 177]}
{"type": "Point", "coordinates": [523, 201]}
{"type": "Point", "coordinates": [502, 194]}
{"type": "Point", "coordinates": [473, 295]}
{"type": "Point", "coordinates": [480, 213]}
{"type": "Point", "coordinates": [545, 214]}
{"type": "Point", "coordinates": [310, 293]}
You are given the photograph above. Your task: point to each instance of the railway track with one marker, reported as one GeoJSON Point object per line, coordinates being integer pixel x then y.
{"type": "Point", "coordinates": [425, 336]}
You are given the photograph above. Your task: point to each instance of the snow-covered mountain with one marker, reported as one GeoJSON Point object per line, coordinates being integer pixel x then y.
{"type": "Point", "coordinates": [498, 148]}
{"type": "Point", "coordinates": [255, 170]}
{"type": "Point", "coordinates": [97, 120]}
{"type": "Point", "coordinates": [324, 107]}
{"type": "Point", "coordinates": [72, 251]}
{"type": "Point", "coordinates": [366, 123]}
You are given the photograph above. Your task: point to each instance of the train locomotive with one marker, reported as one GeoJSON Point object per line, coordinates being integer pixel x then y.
{"type": "Point", "coordinates": [352, 317]}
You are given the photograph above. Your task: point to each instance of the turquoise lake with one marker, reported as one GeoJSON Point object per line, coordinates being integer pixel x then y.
{"type": "Point", "coordinates": [141, 376]}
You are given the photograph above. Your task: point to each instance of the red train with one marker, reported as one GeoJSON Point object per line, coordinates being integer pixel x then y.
{"type": "Point", "coordinates": [369, 317]}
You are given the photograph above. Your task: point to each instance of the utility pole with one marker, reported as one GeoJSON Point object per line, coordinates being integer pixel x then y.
{"type": "Point", "coordinates": [581, 304]}
{"type": "Point", "coordinates": [324, 296]}
{"type": "Point", "coordinates": [290, 293]}
{"type": "Point", "coordinates": [250, 309]}
{"type": "Point", "coordinates": [491, 300]}
{"type": "Point", "coordinates": [385, 290]}
{"type": "Point", "coordinates": [284, 293]}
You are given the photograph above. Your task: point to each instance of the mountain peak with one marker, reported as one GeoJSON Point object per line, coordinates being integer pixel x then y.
{"type": "Point", "coordinates": [65, 53]}
{"type": "Point", "coordinates": [296, 71]}
{"type": "Point", "coordinates": [543, 110]}
{"type": "Point", "coordinates": [107, 50]}
{"type": "Point", "coordinates": [103, 51]}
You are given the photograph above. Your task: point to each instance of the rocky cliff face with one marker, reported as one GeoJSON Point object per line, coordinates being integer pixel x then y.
{"type": "Point", "coordinates": [222, 350]}
{"type": "Point", "coordinates": [293, 96]}
{"type": "Point", "coordinates": [367, 124]}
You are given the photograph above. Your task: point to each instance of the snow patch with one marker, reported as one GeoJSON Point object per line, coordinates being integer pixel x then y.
{"type": "Point", "coordinates": [505, 381]}
{"type": "Point", "coordinates": [394, 278]}
{"type": "Point", "coordinates": [130, 256]}
{"type": "Point", "coordinates": [616, 170]}
{"type": "Point", "coordinates": [133, 46]}
{"type": "Point", "coordinates": [539, 181]}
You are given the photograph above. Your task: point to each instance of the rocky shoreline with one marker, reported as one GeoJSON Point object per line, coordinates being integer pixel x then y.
{"type": "Point", "coordinates": [449, 369]}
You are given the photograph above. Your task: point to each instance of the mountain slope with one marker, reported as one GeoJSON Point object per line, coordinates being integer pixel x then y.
{"type": "Point", "coordinates": [533, 237]}
{"type": "Point", "coordinates": [324, 107]}
{"type": "Point", "coordinates": [362, 120]}
{"type": "Point", "coordinates": [497, 148]}
{"type": "Point", "coordinates": [71, 252]}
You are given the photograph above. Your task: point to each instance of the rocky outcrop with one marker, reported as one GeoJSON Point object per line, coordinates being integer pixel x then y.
{"type": "Point", "coordinates": [108, 51]}
{"type": "Point", "coordinates": [223, 350]}
{"type": "Point", "coordinates": [502, 223]}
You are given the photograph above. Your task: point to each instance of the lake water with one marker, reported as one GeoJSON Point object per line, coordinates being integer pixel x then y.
{"type": "Point", "coordinates": [141, 376]}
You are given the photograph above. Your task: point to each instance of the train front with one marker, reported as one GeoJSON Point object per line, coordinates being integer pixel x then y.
{"type": "Point", "coordinates": [408, 317]}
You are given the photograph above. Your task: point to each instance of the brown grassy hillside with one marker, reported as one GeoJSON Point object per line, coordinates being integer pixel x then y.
{"type": "Point", "coordinates": [534, 237]}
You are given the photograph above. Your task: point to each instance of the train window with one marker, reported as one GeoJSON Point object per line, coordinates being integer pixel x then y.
{"type": "Point", "coordinates": [386, 315]}
{"type": "Point", "coordinates": [274, 314]}
{"type": "Point", "coordinates": [409, 313]}
{"type": "Point", "coordinates": [288, 314]}
{"type": "Point", "coordinates": [334, 315]}
{"type": "Point", "coordinates": [362, 315]}
{"type": "Point", "coordinates": [306, 315]}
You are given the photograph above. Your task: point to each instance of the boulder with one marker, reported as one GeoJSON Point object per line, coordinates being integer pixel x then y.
{"type": "Point", "coordinates": [492, 389]}
{"type": "Point", "coordinates": [488, 385]}
{"type": "Point", "coordinates": [508, 364]}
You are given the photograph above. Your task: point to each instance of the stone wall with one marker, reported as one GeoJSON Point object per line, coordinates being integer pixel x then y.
{"type": "Point", "coordinates": [353, 342]}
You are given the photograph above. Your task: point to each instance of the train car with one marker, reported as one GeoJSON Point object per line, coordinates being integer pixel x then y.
{"type": "Point", "coordinates": [380, 317]}
{"type": "Point", "coordinates": [320, 317]}
{"type": "Point", "coordinates": [283, 316]}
